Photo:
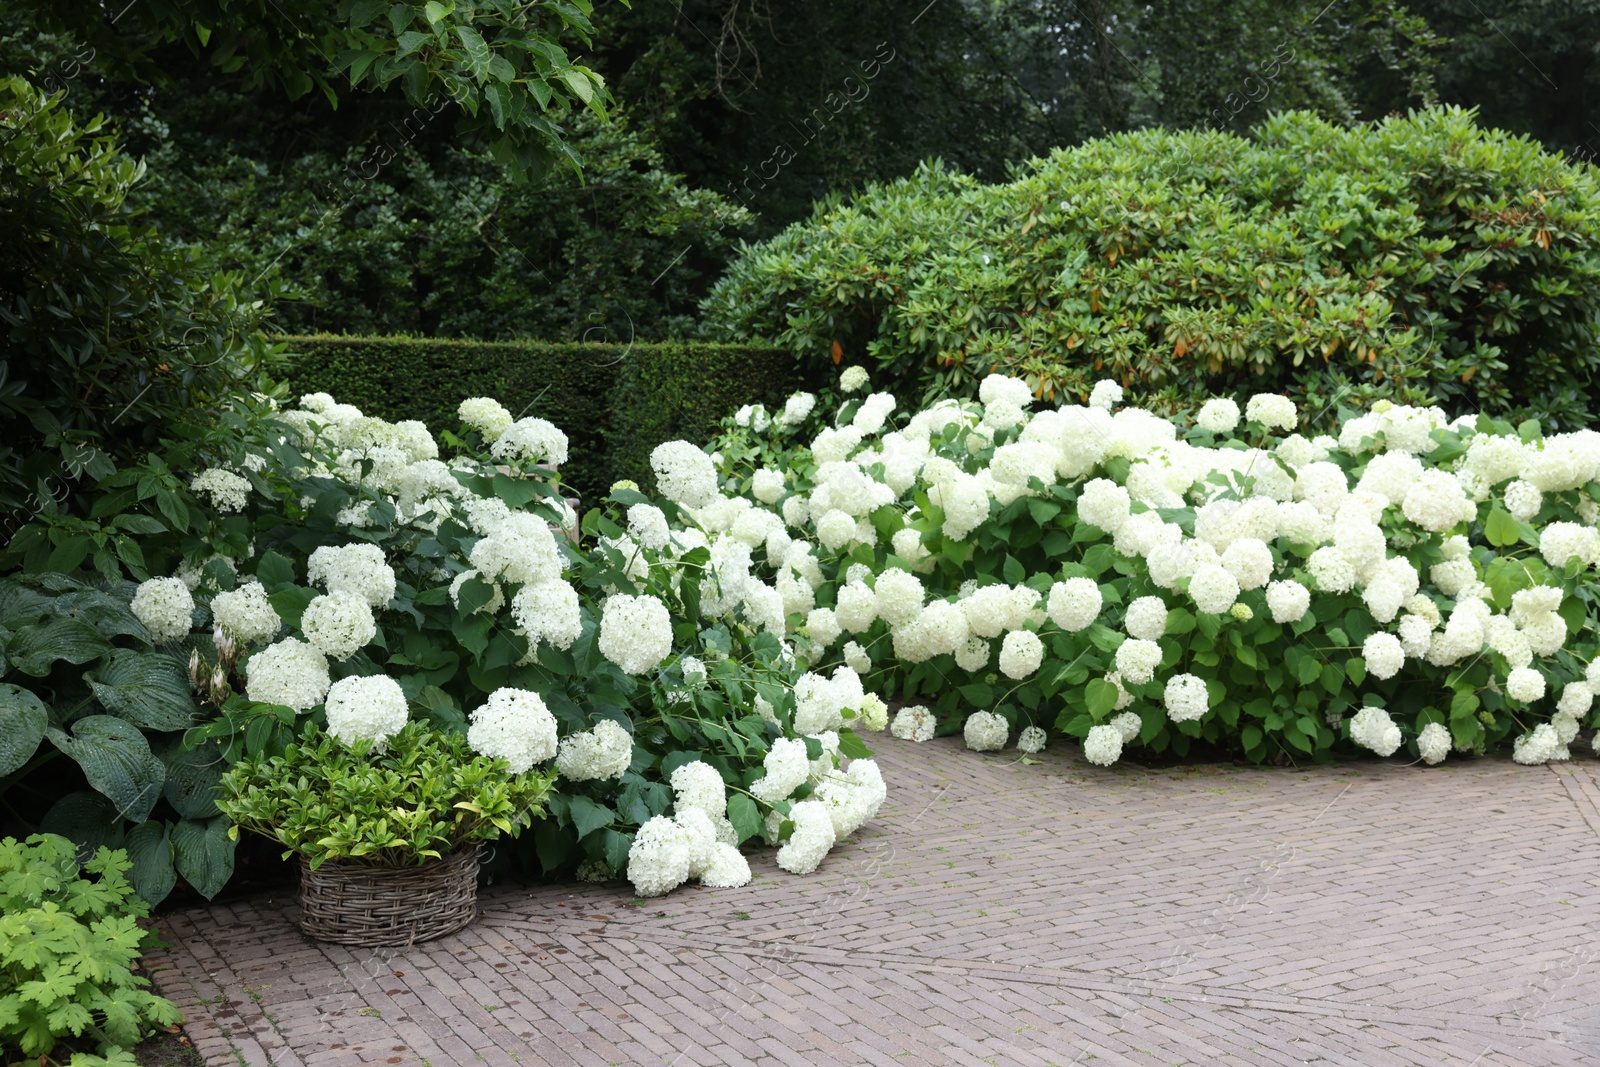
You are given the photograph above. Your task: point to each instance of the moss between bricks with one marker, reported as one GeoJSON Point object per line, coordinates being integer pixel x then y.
{"type": "Point", "coordinates": [615, 402]}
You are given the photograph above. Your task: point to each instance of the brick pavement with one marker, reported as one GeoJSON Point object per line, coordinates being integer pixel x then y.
{"type": "Point", "coordinates": [1365, 914]}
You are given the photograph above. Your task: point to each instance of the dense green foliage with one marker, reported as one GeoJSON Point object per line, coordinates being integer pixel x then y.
{"type": "Point", "coordinates": [67, 946]}
{"type": "Point", "coordinates": [616, 401]}
{"type": "Point", "coordinates": [419, 797]}
{"type": "Point", "coordinates": [1415, 258]}
{"type": "Point", "coordinates": [107, 332]}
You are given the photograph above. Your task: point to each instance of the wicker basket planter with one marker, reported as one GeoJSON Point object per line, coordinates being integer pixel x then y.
{"type": "Point", "coordinates": [355, 904]}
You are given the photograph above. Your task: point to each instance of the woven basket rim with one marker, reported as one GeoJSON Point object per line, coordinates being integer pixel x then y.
{"type": "Point", "coordinates": [380, 904]}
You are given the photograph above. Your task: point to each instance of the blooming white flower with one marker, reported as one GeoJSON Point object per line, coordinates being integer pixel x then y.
{"type": "Point", "coordinates": [813, 836]}
{"type": "Point", "coordinates": [1213, 589]}
{"type": "Point", "coordinates": [851, 379]}
{"type": "Point", "coordinates": [874, 713]}
{"type": "Point", "coordinates": [338, 624]}
{"type": "Point", "coordinates": [699, 785]}
{"type": "Point", "coordinates": [1272, 411]}
{"type": "Point", "coordinates": [1576, 699]}
{"type": "Point", "coordinates": [548, 611]}
{"type": "Point", "coordinates": [1566, 727]}
{"type": "Point", "coordinates": [852, 798]}
{"type": "Point", "coordinates": [1020, 654]}
{"type": "Point", "coordinates": [1249, 560]}
{"type": "Point", "coordinates": [165, 607]}
{"type": "Point", "coordinates": [684, 473]}
{"type": "Point", "coordinates": [603, 752]}
{"type": "Point", "coordinates": [513, 725]}
{"type": "Point", "coordinates": [1031, 740]}
{"type": "Point", "coordinates": [486, 415]}
{"type": "Point", "coordinates": [659, 858]}
{"type": "Point", "coordinates": [1333, 571]}
{"type": "Point", "coordinates": [648, 525]}
{"type": "Point", "coordinates": [1288, 600]}
{"type": "Point", "coordinates": [1372, 728]}
{"type": "Point", "coordinates": [985, 732]}
{"type": "Point", "coordinates": [1103, 746]}
{"type": "Point", "coordinates": [1525, 684]}
{"type": "Point", "coordinates": [915, 723]}
{"type": "Point", "coordinates": [1523, 501]}
{"type": "Point", "coordinates": [728, 868]}
{"type": "Point", "coordinates": [1433, 743]}
{"type": "Point", "coordinates": [1074, 604]}
{"type": "Point", "coordinates": [1137, 660]}
{"type": "Point", "coordinates": [872, 414]}
{"type": "Point", "coordinates": [635, 632]}
{"type": "Point", "coordinates": [898, 596]}
{"type": "Point", "coordinates": [787, 768]}
{"type": "Point", "coordinates": [1146, 618]}
{"type": "Point", "coordinates": [857, 607]}
{"type": "Point", "coordinates": [228, 491]}
{"type": "Point", "coordinates": [795, 411]}
{"type": "Point", "coordinates": [1219, 415]}
{"type": "Point", "coordinates": [1541, 746]}
{"type": "Point", "coordinates": [531, 439]}
{"type": "Point", "coordinates": [290, 672]}
{"type": "Point", "coordinates": [856, 658]}
{"type": "Point", "coordinates": [1103, 503]}
{"type": "Point", "coordinates": [1128, 725]}
{"type": "Point", "coordinates": [370, 708]}
{"type": "Point", "coordinates": [355, 568]}
{"type": "Point", "coordinates": [1186, 698]}
{"type": "Point", "coordinates": [1105, 395]}
{"type": "Point", "coordinates": [246, 614]}
{"type": "Point", "coordinates": [973, 655]}
{"type": "Point", "coordinates": [1559, 542]}
{"type": "Point", "coordinates": [766, 485]}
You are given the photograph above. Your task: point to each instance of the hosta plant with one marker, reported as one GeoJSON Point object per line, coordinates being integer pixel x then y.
{"type": "Point", "coordinates": [69, 938]}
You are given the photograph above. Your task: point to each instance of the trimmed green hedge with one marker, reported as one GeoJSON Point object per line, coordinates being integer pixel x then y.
{"type": "Point", "coordinates": [615, 402]}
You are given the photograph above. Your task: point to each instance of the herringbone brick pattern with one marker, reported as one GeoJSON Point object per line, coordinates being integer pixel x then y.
{"type": "Point", "coordinates": [997, 912]}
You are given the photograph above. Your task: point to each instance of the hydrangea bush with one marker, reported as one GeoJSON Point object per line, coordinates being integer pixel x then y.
{"type": "Point", "coordinates": [350, 580]}
{"type": "Point", "coordinates": [1417, 583]}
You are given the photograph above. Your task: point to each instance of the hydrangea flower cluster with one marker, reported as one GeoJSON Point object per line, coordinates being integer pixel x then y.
{"type": "Point", "coordinates": [370, 708]}
{"type": "Point", "coordinates": [165, 607]}
{"type": "Point", "coordinates": [513, 725]}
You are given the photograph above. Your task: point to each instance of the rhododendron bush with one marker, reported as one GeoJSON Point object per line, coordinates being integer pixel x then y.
{"type": "Point", "coordinates": [345, 578]}
{"type": "Point", "coordinates": [1010, 570]}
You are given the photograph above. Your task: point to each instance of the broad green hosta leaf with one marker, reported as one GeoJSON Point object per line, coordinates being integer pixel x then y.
{"type": "Point", "coordinates": [203, 853]}
{"type": "Point", "coordinates": [21, 606]}
{"type": "Point", "coordinates": [86, 819]}
{"type": "Point", "coordinates": [116, 760]}
{"type": "Point", "coordinates": [149, 848]}
{"type": "Point", "coordinates": [35, 649]}
{"type": "Point", "coordinates": [192, 778]}
{"type": "Point", "coordinates": [23, 718]}
{"type": "Point", "coordinates": [112, 617]}
{"type": "Point", "coordinates": [149, 689]}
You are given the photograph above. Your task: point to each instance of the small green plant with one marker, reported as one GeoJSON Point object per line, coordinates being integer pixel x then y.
{"type": "Point", "coordinates": [423, 796]}
{"type": "Point", "coordinates": [67, 945]}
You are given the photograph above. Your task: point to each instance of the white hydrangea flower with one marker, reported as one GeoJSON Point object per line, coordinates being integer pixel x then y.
{"type": "Point", "coordinates": [787, 768]}
{"type": "Point", "coordinates": [228, 491]}
{"type": "Point", "coordinates": [1525, 684]}
{"type": "Point", "coordinates": [1105, 395]}
{"type": "Point", "coordinates": [358, 568]}
{"type": "Point", "coordinates": [985, 732]}
{"type": "Point", "coordinates": [852, 379]}
{"type": "Point", "coordinates": [548, 611]}
{"type": "Point", "coordinates": [1433, 744]}
{"type": "Point", "coordinates": [1074, 604]}
{"type": "Point", "coordinates": [648, 525]}
{"type": "Point", "coordinates": [603, 752]}
{"type": "Point", "coordinates": [290, 672]}
{"type": "Point", "coordinates": [1186, 698]}
{"type": "Point", "coordinates": [973, 655]}
{"type": "Point", "coordinates": [1373, 729]}
{"type": "Point", "coordinates": [1576, 699]}
{"type": "Point", "coordinates": [513, 725]}
{"type": "Point", "coordinates": [795, 411]}
{"type": "Point", "coordinates": [1128, 725]}
{"type": "Point", "coordinates": [1103, 746]}
{"type": "Point", "coordinates": [874, 713]}
{"type": "Point", "coordinates": [496, 601]}
{"type": "Point", "coordinates": [659, 858]}
{"type": "Point", "coordinates": [1436, 502]}
{"type": "Point", "coordinates": [873, 413]}
{"type": "Point", "coordinates": [766, 485]}
{"type": "Point", "coordinates": [812, 838]}
{"type": "Point", "coordinates": [1249, 560]}
{"type": "Point", "coordinates": [1104, 503]}
{"type": "Point", "coordinates": [823, 626]}
{"type": "Point", "coordinates": [1541, 746]}
{"type": "Point", "coordinates": [338, 624]}
{"type": "Point", "coordinates": [1146, 618]}
{"type": "Point", "coordinates": [531, 439]}
{"type": "Point", "coordinates": [1566, 727]}
{"type": "Point", "coordinates": [699, 785]}
{"type": "Point", "coordinates": [915, 723]}
{"type": "Point", "coordinates": [852, 798]}
{"type": "Point", "coordinates": [1213, 589]}
{"type": "Point", "coordinates": [728, 868]}
{"type": "Point", "coordinates": [1031, 740]}
{"type": "Point", "coordinates": [246, 614]}
{"type": "Point", "coordinates": [486, 415]}
{"type": "Point", "coordinates": [857, 607]}
{"type": "Point", "coordinates": [1020, 654]}
{"type": "Point", "coordinates": [1560, 541]}
{"type": "Point", "coordinates": [1273, 411]}
{"type": "Point", "coordinates": [684, 473]}
{"type": "Point", "coordinates": [370, 708]}
{"type": "Point", "coordinates": [1333, 571]}
{"type": "Point", "coordinates": [966, 505]}
{"type": "Point", "coordinates": [1523, 501]}
{"type": "Point", "coordinates": [1288, 600]}
{"type": "Point", "coordinates": [898, 596]}
{"type": "Point", "coordinates": [635, 632]}
{"type": "Point", "coordinates": [1137, 660]}
{"type": "Point", "coordinates": [1383, 655]}
{"type": "Point", "coordinates": [165, 607]}
{"type": "Point", "coordinates": [856, 658]}
{"type": "Point", "coordinates": [1219, 415]}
